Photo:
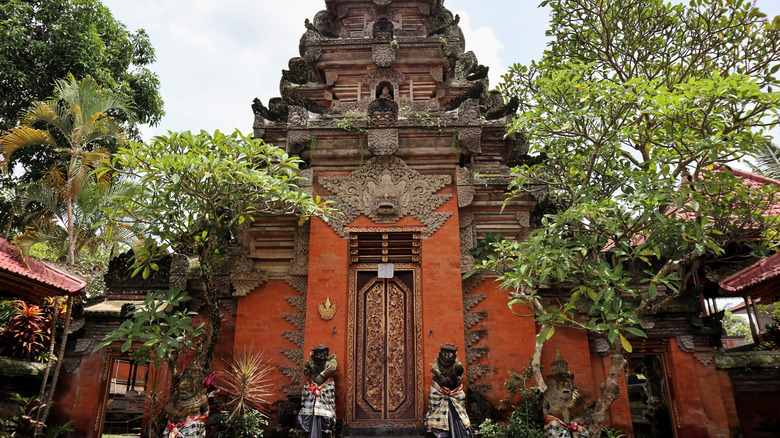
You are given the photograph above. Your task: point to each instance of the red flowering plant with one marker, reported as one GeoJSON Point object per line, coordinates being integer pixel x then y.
{"type": "Point", "coordinates": [28, 331]}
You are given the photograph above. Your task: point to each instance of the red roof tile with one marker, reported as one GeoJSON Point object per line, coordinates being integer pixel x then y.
{"type": "Point", "coordinates": [754, 275]}
{"type": "Point", "coordinates": [34, 278]}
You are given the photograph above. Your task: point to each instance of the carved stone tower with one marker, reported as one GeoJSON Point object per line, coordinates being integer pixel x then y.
{"type": "Point", "coordinates": [396, 126]}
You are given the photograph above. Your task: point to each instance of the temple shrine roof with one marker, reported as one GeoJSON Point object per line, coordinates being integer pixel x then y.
{"type": "Point", "coordinates": [33, 279]}
{"type": "Point", "coordinates": [761, 279]}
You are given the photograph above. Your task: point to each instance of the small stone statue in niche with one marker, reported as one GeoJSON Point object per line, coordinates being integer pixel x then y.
{"type": "Point", "coordinates": [386, 93]}
{"type": "Point", "coordinates": [447, 417]}
{"type": "Point", "coordinates": [317, 416]}
{"type": "Point", "coordinates": [565, 411]}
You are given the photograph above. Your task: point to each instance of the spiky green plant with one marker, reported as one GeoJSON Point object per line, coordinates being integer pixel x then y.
{"type": "Point", "coordinates": [245, 380]}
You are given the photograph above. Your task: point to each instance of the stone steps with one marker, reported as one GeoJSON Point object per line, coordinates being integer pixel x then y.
{"type": "Point", "coordinates": [386, 432]}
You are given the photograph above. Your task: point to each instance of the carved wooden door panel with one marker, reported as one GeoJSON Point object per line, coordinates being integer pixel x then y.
{"type": "Point", "coordinates": [385, 379]}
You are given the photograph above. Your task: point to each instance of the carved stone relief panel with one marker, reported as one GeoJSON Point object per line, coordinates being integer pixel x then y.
{"type": "Point", "coordinates": [382, 55]}
{"type": "Point", "coordinates": [297, 136]}
{"type": "Point", "coordinates": [331, 77]}
{"type": "Point", "coordinates": [386, 189]}
{"type": "Point", "coordinates": [468, 112]}
{"type": "Point", "coordinates": [375, 77]}
{"type": "Point", "coordinates": [298, 319]}
{"type": "Point", "coordinates": [468, 240]}
{"type": "Point", "coordinates": [310, 46]}
{"type": "Point", "coordinates": [299, 265]}
{"type": "Point", "coordinates": [686, 343]}
{"type": "Point", "coordinates": [471, 139]}
{"type": "Point", "coordinates": [471, 300]}
{"type": "Point", "coordinates": [466, 189]}
{"type": "Point", "coordinates": [475, 372]}
{"type": "Point", "coordinates": [473, 336]}
{"type": "Point", "coordinates": [383, 141]}
{"type": "Point", "coordinates": [244, 277]}
{"type": "Point", "coordinates": [327, 24]}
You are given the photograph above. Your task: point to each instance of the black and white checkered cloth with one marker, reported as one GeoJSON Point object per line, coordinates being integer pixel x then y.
{"type": "Point", "coordinates": [438, 416]}
{"type": "Point", "coordinates": [324, 404]}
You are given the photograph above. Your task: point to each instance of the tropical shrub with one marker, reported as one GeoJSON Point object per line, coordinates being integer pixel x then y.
{"type": "Point", "coordinates": [27, 332]}
{"type": "Point", "coordinates": [526, 408]}
{"type": "Point", "coordinates": [243, 390]}
{"type": "Point", "coordinates": [515, 428]}
{"type": "Point", "coordinates": [249, 425]}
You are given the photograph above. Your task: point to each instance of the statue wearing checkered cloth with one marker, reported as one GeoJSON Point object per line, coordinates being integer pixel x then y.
{"type": "Point", "coordinates": [317, 416]}
{"type": "Point", "coordinates": [447, 417]}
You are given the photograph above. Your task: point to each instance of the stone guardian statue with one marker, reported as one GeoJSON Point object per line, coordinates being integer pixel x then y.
{"type": "Point", "coordinates": [317, 416]}
{"type": "Point", "coordinates": [565, 411]}
{"type": "Point", "coordinates": [447, 417]}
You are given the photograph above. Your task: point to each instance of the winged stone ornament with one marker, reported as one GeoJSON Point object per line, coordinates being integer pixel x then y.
{"type": "Point", "coordinates": [327, 309]}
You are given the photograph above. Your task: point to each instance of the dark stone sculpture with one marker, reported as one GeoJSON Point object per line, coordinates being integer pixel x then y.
{"type": "Point", "coordinates": [300, 72]}
{"type": "Point", "coordinates": [474, 92]}
{"type": "Point", "coordinates": [437, 24]}
{"type": "Point", "coordinates": [496, 108]}
{"type": "Point", "coordinates": [383, 30]}
{"type": "Point", "coordinates": [317, 416]}
{"type": "Point", "coordinates": [325, 23]}
{"type": "Point", "coordinates": [294, 99]}
{"type": "Point", "coordinates": [565, 412]}
{"type": "Point", "coordinates": [276, 113]}
{"type": "Point", "coordinates": [189, 409]}
{"type": "Point", "coordinates": [447, 417]}
{"type": "Point", "coordinates": [383, 111]}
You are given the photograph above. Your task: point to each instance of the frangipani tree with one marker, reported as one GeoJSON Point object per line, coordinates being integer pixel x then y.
{"type": "Point", "coordinates": [636, 108]}
{"type": "Point", "coordinates": [194, 191]}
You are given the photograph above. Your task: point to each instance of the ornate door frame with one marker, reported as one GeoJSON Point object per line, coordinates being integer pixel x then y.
{"type": "Point", "coordinates": [658, 347]}
{"type": "Point", "coordinates": [353, 359]}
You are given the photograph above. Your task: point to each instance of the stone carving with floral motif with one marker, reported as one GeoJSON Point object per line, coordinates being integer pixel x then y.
{"type": "Point", "coordinates": [386, 190]}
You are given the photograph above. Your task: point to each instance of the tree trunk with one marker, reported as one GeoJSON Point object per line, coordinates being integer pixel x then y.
{"type": "Point", "coordinates": [183, 405]}
{"type": "Point", "coordinates": [610, 389]}
{"type": "Point", "coordinates": [536, 363]}
{"type": "Point", "coordinates": [71, 244]}
{"type": "Point", "coordinates": [48, 399]}
{"type": "Point", "coordinates": [8, 224]}
{"type": "Point", "coordinates": [60, 358]}
{"type": "Point", "coordinates": [42, 392]}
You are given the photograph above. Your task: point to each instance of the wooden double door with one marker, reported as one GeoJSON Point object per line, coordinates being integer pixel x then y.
{"type": "Point", "coordinates": [385, 348]}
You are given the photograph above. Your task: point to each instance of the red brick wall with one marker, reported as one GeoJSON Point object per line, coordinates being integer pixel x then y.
{"type": "Point", "coordinates": [259, 325]}
{"type": "Point", "coordinates": [79, 395]}
{"type": "Point", "coordinates": [689, 392]}
{"type": "Point", "coordinates": [442, 292]}
{"type": "Point", "coordinates": [328, 278]}
{"type": "Point", "coordinates": [510, 339]}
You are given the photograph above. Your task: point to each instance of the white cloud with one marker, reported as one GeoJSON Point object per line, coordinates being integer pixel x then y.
{"type": "Point", "coordinates": [484, 43]}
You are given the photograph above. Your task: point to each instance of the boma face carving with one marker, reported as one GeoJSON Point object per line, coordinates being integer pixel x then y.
{"type": "Point", "coordinates": [382, 118]}
{"type": "Point", "coordinates": [386, 198]}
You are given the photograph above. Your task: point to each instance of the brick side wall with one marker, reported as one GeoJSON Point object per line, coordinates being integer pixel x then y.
{"type": "Point", "coordinates": [260, 323]}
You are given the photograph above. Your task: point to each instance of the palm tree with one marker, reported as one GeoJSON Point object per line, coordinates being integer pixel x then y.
{"type": "Point", "coordinates": [768, 161]}
{"type": "Point", "coordinates": [94, 231]}
{"type": "Point", "coordinates": [77, 124]}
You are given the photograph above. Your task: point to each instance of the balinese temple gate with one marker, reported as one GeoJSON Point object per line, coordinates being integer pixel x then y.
{"type": "Point", "coordinates": [398, 129]}
{"type": "Point", "coordinates": [396, 125]}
